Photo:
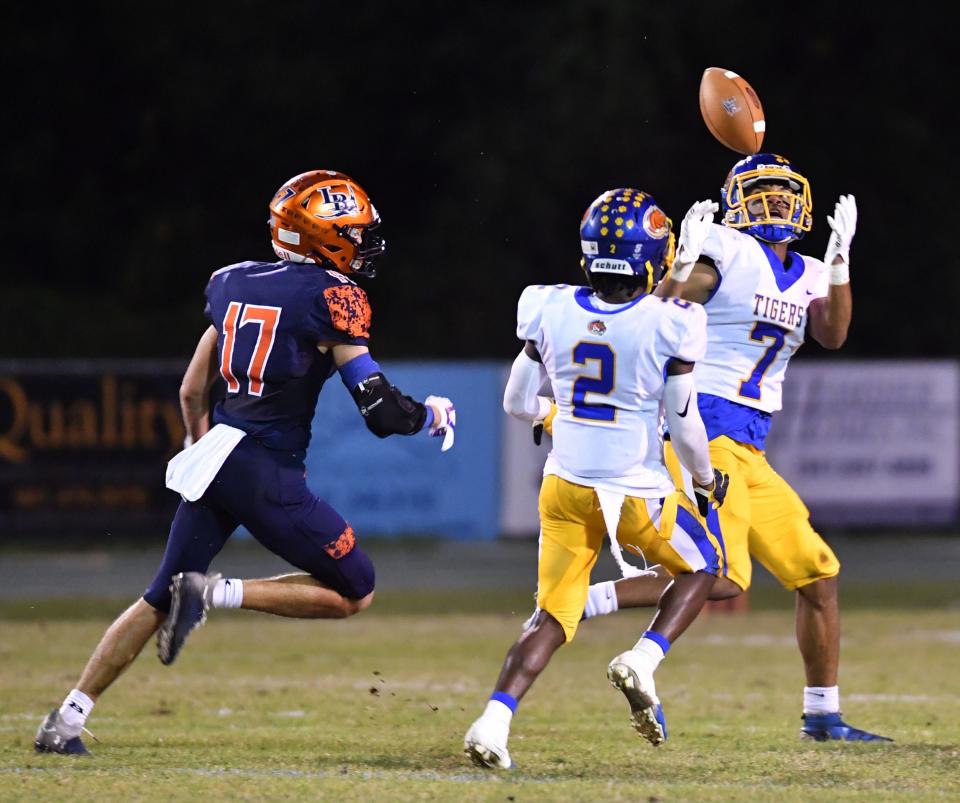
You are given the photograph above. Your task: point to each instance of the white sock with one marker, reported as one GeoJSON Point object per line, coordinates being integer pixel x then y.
{"type": "Point", "coordinates": [651, 652]}
{"type": "Point", "coordinates": [601, 599]}
{"type": "Point", "coordinates": [227, 594]}
{"type": "Point", "coordinates": [821, 699]}
{"type": "Point", "coordinates": [74, 712]}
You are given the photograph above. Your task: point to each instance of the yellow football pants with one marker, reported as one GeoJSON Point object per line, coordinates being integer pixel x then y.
{"type": "Point", "coordinates": [572, 529]}
{"type": "Point", "coordinates": [764, 517]}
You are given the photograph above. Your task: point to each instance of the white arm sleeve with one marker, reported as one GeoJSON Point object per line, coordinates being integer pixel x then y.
{"type": "Point", "coordinates": [687, 433]}
{"type": "Point", "coordinates": [520, 397]}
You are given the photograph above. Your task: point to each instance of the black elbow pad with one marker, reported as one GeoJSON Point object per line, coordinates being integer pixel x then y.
{"type": "Point", "coordinates": [385, 410]}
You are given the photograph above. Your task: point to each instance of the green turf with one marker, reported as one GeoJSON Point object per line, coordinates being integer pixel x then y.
{"type": "Point", "coordinates": [374, 708]}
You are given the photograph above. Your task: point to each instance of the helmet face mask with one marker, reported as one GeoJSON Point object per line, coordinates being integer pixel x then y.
{"type": "Point", "coordinates": [766, 197]}
{"type": "Point", "coordinates": [325, 217]}
{"type": "Point", "coordinates": [624, 234]}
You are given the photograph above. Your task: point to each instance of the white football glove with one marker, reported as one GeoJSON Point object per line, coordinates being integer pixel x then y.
{"type": "Point", "coordinates": [443, 424]}
{"type": "Point", "coordinates": [843, 226]}
{"type": "Point", "coordinates": [693, 231]}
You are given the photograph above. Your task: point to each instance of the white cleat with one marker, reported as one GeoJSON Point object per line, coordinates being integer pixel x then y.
{"type": "Point", "coordinates": [486, 744]}
{"type": "Point", "coordinates": [629, 674]}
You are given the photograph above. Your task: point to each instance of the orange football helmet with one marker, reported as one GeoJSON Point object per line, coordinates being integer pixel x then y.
{"type": "Point", "coordinates": [325, 217]}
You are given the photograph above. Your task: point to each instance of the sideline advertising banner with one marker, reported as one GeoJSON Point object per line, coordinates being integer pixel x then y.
{"type": "Point", "coordinates": [870, 442]}
{"type": "Point", "coordinates": [83, 445]}
{"type": "Point", "coordinates": [864, 443]}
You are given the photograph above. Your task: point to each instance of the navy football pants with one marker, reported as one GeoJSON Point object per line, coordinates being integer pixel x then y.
{"type": "Point", "coordinates": [266, 492]}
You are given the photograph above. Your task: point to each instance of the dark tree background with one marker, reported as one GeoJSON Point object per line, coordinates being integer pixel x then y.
{"type": "Point", "coordinates": [143, 142]}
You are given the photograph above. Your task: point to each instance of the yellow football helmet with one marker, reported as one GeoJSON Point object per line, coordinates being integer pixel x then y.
{"type": "Point", "coordinates": [774, 216]}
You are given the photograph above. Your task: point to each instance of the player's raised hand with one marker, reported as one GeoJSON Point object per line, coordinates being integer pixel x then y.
{"type": "Point", "coordinates": [843, 226]}
{"type": "Point", "coordinates": [716, 494]}
{"type": "Point", "coordinates": [444, 420]}
{"type": "Point", "coordinates": [545, 423]}
{"type": "Point", "coordinates": [693, 231]}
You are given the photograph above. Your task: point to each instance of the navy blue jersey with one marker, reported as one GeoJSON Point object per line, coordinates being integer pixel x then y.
{"type": "Point", "coordinates": [270, 316]}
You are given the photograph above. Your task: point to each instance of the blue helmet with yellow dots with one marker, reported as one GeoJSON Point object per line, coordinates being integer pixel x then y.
{"type": "Point", "coordinates": [624, 232]}
{"type": "Point", "coordinates": [765, 196]}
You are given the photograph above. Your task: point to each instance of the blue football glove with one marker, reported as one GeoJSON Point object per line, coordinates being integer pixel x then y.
{"type": "Point", "coordinates": [444, 420]}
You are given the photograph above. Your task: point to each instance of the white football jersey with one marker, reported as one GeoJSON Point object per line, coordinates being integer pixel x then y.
{"type": "Point", "coordinates": [755, 318]}
{"type": "Point", "coordinates": [607, 366]}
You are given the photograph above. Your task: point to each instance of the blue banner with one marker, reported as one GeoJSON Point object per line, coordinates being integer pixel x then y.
{"type": "Point", "coordinates": [405, 485]}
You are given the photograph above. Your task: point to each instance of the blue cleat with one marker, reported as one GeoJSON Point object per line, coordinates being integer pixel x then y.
{"type": "Point", "coordinates": [831, 727]}
{"type": "Point", "coordinates": [191, 596]}
{"type": "Point", "coordinates": [51, 739]}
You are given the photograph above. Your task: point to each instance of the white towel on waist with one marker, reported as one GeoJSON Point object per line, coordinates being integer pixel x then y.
{"type": "Point", "coordinates": [611, 503]}
{"type": "Point", "coordinates": [191, 472]}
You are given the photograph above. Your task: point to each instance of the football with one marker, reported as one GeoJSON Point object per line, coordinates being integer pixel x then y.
{"type": "Point", "coordinates": [731, 110]}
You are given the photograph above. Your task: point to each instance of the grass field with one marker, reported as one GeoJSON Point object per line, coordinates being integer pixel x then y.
{"type": "Point", "coordinates": [375, 708]}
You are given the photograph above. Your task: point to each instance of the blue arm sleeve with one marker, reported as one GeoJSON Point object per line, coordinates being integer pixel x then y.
{"type": "Point", "coordinates": [356, 370]}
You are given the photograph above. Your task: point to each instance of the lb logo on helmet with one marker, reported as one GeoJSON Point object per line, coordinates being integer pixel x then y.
{"type": "Point", "coordinates": [337, 202]}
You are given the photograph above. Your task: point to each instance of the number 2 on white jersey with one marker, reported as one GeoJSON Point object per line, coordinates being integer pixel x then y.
{"type": "Point", "coordinates": [602, 384]}
{"type": "Point", "coordinates": [267, 319]}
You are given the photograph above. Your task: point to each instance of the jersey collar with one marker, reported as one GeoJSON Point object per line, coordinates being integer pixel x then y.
{"type": "Point", "coordinates": [584, 297]}
{"type": "Point", "coordinates": [784, 275]}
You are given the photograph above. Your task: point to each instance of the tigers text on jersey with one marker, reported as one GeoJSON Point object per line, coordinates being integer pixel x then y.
{"type": "Point", "coordinates": [270, 316]}
{"type": "Point", "coordinates": [755, 317]}
{"type": "Point", "coordinates": [607, 365]}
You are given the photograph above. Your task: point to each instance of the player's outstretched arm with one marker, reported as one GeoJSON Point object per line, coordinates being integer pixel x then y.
{"type": "Point", "coordinates": [195, 387]}
{"type": "Point", "coordinates": [527, 376]}
{"type": "Point", "coordinates": [385, 410]}
{"type": "Point", "coordinates": [693, 232]}
{"type": "Point", "coordinates": [697, 288]}
{"type": "Point", "coordinates": [689, 278]}
{"type": "Point", "coordinates": [688, 434]}
{"type": "Point", "coordinates": [830, 317]}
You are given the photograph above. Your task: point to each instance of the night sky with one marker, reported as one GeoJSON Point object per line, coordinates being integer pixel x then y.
{"type": "Point", "coordinates": [142, 144]}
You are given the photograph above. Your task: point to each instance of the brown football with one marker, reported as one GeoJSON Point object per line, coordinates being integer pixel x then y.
{"type": "Point", "coordinates": [732, 110]}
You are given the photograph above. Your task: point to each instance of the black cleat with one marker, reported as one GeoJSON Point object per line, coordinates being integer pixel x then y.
{"type": "Point", "coordinates": [51, 739]}
{"type": "Point", "coordinates": [192, 593]}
